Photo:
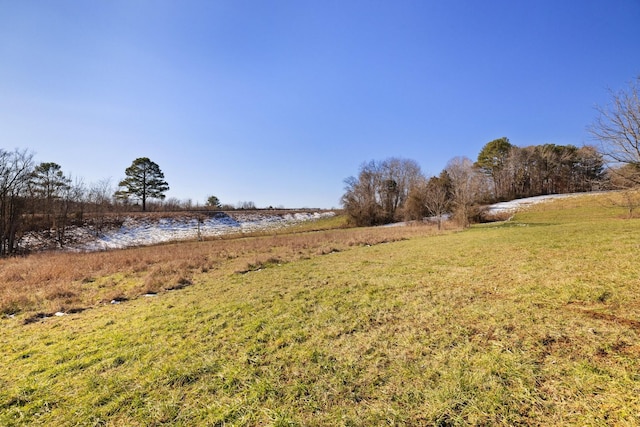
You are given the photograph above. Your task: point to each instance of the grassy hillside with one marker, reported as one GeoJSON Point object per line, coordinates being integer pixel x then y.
{"type": "Point", "coordinates": [533, 321]}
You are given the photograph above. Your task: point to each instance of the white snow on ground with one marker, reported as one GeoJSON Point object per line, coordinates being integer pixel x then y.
{"type": "Point", "coordinates": [515, 205]}
{"type": "Point", "coordinates": [141, 231]}
{"type": "Point", "coordinates": [510, 207]}
{"type": "Point", "coordinates": [519, 204]}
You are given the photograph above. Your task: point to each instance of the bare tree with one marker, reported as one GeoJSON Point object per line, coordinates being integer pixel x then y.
{"type": "Point", "coordinates": [100, 201]}
{"type": "Point", "coordinates": [99, 195]}
{"type": "Point", "coordinates": [379, 193]}
{"type": "Point", "coordinates": [68, 207]}
{"type": "Point", "coordinates": [246, 205]}
{"type": "Point", "coordinates": [623, 177]}
{"type": "Point", "coordinates": [398, 177]}
{"type": "Point", "coordinates": [625, 180]}
{"type": "Point", "coordinates": [630, 200]}
{"type": "Point", "coordinates": [359, 199]}
{"type": "Point", "coordinates": [466, 188]}
{"type": "Point", "coordinates": [438, 196]}
{"type": "Point", "coordinates": [617, 126]}
{"type": "Point", "coordinates": [15, 172]}
{"type": "Point", "coordinates": [430, 197]}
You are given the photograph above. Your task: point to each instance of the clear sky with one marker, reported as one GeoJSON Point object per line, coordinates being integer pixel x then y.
{"type": "Point", "coordinates": [277, 102]}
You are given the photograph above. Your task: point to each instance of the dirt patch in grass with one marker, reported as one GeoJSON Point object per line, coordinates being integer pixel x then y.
{"type": "Point", "coordinates": [634, 324]}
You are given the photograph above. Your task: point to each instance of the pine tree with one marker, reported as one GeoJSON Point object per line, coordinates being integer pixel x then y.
{"type": "Point", "coordinates": [144, 180]}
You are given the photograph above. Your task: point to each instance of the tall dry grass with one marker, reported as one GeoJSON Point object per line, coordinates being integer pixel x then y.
{"type": "Point", "coordinates": [57, 281]}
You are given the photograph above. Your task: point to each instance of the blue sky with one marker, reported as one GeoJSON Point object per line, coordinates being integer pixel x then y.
{"type": "Point", "coordinates": [277, 102]}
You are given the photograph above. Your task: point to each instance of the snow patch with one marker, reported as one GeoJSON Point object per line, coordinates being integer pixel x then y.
{"type": "Point", "coordinates": [147, 230]}
{"type": "Point", "coordinates": [519, 204]}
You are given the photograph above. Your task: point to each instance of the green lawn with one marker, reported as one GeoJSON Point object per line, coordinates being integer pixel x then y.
{"type": "Point", "coordinates": [533, 321]}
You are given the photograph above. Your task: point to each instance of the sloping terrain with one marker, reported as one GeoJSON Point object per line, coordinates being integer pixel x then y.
{"type": "Point", "coordinates": [142, 230]}
{"type": "Point", "coordinates": [534, 321]}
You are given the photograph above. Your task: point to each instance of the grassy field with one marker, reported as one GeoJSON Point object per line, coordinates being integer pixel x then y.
{"type": "Point", "coordinates": [534, 321]}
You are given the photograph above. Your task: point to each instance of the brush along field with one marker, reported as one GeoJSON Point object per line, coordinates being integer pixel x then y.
{"type": "Point", "coordinates": [534, 321]}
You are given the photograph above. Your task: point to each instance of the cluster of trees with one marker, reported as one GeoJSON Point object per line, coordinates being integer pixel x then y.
{"type": "Point", "coordinates": [396, 189]}
{"type": "Point", "coordinates": [379, 193]}
{"type": "Point", "coordinates": [41, 197]}
{"type": "Point", "coordinates": [540, 169]}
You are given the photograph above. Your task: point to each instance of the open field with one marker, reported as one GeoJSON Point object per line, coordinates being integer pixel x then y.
{"type": "Point", "coordinates": [534, 321]}
{"type": "Point", "coordinates": [66, 282]}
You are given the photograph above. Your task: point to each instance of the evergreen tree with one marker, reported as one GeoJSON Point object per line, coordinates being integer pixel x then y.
{"type": "Point", "coordinates": [144, 180]}
{"type": "Point", "coordinates": [492, 161]}
{"type": "Point", "coordinates": [213, 202]}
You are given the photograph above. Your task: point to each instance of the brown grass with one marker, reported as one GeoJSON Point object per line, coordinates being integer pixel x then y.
{"type": "Point", "coordinates": [66, 281]}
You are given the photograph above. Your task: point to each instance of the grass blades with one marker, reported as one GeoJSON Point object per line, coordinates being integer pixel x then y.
{"type": "Point", "coordinates": [533, 321]}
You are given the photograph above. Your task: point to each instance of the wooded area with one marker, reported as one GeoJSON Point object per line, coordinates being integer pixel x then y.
{"type": "Point", "coordinates": [41, 197]}
{"type": "Point", "coordinates": [396, 189]}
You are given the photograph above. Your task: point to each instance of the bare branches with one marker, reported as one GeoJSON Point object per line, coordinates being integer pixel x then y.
{"type": "Point", "coordinates": [379, 193]}
{"type": "Point", "coordinates": [15, 171]}
{"type": "Point", "coordinates": [617, 127]}
{"type": "Point", "coordinates": [467, 185]}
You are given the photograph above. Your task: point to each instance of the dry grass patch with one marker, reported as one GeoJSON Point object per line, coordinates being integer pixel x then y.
{"type": "Point", "coordinates": [59, 281]}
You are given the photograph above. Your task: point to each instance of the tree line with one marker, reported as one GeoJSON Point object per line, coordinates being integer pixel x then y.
{"type": "Point", "coordinates": [41, 197]}
{"type": "Point", "coordinates": [395, 189]}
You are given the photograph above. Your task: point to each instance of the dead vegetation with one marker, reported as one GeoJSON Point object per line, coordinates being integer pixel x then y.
{"type": "Point", "coordinates": [60, 282]}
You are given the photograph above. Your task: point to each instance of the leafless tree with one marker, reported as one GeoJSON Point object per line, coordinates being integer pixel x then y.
{"type": "Point", "coordinates": [438, 196]}
{"type": "Point", "coordinates": [246, 205]}
{"type": "Point", "coordinates": [397, 177]}
{"type": "Point", "coordinates": [15, 172]}
{"type": "Point", "coordinates": [69, 208]}
{"type": "Point", "coordinates": [630, 200]}
{"type": "Point", "coordinates": [359, 199]}
{"type": "Point", "coordinates": [624, 179]}
{"type": "Point", "coordinates": [466, 188]}
{"type": "Point", "coordinates": [430, 197]}
{"type": "Point", "coordinates": [379, 194]}
{"type": "Point", "coordinates": [99, 193]}
{"type": "Point", "coordinates": [617, 126]}
{"type": "Point", "coordinates": [100, 202]}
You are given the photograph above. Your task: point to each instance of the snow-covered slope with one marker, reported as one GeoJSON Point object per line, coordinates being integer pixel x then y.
{"type": "Point", "coordinates": [515, 205]}
{"type": "Point", "coordinates": [147, 230]}
{"type": "Point", "coordinates": [519, 204]}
